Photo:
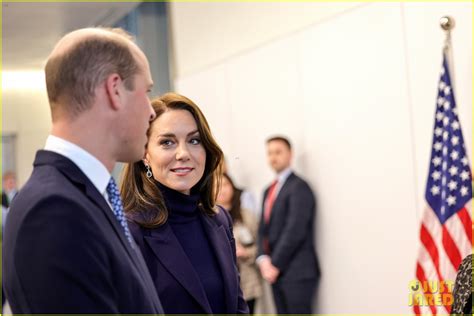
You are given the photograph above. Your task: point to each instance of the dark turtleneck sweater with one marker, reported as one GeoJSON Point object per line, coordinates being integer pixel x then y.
{"type": "Point", "coordinates": [185, 221]}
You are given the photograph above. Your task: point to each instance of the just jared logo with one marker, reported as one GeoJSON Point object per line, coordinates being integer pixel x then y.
{"type": "Point", "coordinates": [430, 293]}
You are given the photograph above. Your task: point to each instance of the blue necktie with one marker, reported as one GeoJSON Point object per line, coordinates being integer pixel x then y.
{"type": "Point", "coordinates": [117, 207]}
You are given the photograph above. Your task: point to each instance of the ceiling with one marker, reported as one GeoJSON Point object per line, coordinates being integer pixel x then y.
{"type": "Point", "coordinates": [30, 30]}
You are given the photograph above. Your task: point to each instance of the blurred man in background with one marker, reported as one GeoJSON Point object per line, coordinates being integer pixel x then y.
{"type": "Point", "coordinates": [287, 258]}
{"type": "Point", "coordinates": [9, 189]}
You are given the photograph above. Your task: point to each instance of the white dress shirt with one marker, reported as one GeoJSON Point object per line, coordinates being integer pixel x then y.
{"type": "Point", "coordinates": [281, 179]}
{"type": "Point", "coordinates": [89, 165]}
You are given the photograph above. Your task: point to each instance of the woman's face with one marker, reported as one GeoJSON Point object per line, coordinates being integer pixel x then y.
{"type": "Point", "coordinates": [226, 192]}
{"type": "Point", "coordinates": [174, 152]}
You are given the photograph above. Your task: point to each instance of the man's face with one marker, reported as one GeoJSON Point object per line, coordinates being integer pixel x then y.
{"type": "Point", "coordinates": [279, 155]}
{"type": "Point", "coordinates": [138, 113]}
{"type": "Point", "coordinates": [9, 183]}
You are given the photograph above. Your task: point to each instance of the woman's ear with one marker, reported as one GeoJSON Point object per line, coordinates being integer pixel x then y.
{"type": "Point", "coordinates": [145, 160]}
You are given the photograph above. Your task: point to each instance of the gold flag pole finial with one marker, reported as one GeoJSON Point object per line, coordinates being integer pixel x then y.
{"type": "Point", "coordinates": [447, 24]}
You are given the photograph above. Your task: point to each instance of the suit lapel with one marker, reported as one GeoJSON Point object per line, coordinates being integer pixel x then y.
{"type": "Point", "coordinates": [221, 245]}
{"type": "Point", "coordinates": [169, 252]}
{"type": "Point", "coordinates": [134, 253]}
{"type": "Point", "coordinates": [149, 281]}
{"type": "Point", "coordinates": [75, 175]}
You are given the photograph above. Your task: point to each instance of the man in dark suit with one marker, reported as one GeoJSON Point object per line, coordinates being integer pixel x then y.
{"type": "Point", "coordinates": [287, 258]}
{"type": "Point", "coordinates": [67, 246]}
{"type": "Point", "coordinates": [9, 189]}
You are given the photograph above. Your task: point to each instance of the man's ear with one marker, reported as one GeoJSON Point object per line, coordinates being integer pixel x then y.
{"type": "Point", "coordinates": [114, 89]}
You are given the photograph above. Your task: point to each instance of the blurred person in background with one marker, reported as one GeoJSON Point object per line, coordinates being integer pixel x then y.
{"type": "Point", "coordinates": [286, 255]}
{"type": "Point", "coordinates": [169, 199]}
{"type": "Point", "coordinates": [245, 232]}
{"type": "Point", "coordinates": [247, 199]}
{"type": "Point", "coordinates": [462, 292]}
{"type": "Point", "coordinates": [9, 189]}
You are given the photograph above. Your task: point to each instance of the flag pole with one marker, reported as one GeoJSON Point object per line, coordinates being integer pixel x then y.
{"type": "Point", "coordinates": [447, 23]}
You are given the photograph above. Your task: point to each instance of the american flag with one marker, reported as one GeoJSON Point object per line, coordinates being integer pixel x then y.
{"type": "Point", "coordinates": [446, 228]}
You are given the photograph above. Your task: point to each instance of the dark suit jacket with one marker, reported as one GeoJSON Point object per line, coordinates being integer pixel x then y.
{"type": "Point", "coordinates": [290, 231]}
{"type": "Point", "coordinates": [176, 281]}
{"type": "Point", "coordinates": [5, 201]}
{"type": "Point", "coordinates": [65, 252]}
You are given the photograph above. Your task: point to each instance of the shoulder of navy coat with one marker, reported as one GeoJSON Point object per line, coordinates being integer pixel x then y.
{"type": "Point", "coordinates": [65, 252]}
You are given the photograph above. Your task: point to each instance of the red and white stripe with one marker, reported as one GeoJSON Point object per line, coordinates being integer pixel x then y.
{"type": "Point", "coordinates": [442, 250]}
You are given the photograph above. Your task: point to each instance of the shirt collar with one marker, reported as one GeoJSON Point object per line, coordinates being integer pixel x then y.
{"type": "Point", "coordinates": [283, 175]}
{"type": "Point", "coordinates": [89, 165]}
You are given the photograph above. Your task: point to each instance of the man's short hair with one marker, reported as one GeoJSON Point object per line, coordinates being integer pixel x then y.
{"type": "Point", "coordinates": [72, 76]}
{"type": "Point", "coordinates": [281, 139]}
{"type": "Point", "coordinates": [8, 174]}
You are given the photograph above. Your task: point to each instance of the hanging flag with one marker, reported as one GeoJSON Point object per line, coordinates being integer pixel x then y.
{"type": "Point", "coordinates": [446, 228]}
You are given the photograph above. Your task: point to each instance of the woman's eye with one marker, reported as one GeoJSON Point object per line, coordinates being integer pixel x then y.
{"type": "Point", "coordinates": [195, 141]}
{"type": "Point", "coordinates": [166, 142]}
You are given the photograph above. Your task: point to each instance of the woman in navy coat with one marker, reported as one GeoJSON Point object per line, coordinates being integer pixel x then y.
{"type": "Point", "coordinates": [169, 199]}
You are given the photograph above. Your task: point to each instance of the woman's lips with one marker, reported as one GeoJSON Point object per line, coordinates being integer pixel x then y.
{"type": "Point", "coordinates": [182, 171]}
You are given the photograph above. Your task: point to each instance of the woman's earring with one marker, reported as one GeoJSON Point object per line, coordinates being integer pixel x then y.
{"type": "Point", "coordinates": [148, 172]}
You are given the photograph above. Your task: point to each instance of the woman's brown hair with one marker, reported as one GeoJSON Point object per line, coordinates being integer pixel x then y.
{"type": "Point", "coordinates": [142, 200]}
{"type": "Point", "coordinates": [235, 208]}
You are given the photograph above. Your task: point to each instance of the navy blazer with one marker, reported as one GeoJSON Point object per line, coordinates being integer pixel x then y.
{"type": "Point", "coordinates": [290, 231]}
{"type": "Point", "coordinates": [5, 202]}
{"type": "Point", "coordinates": [169, 265]}
{"type": "Point", "coordinates": [65, 252]}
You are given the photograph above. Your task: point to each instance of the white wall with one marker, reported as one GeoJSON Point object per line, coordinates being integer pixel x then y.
{"type": "Point", "coordinates": [355, 91]}
{"type": "Point", "coordinates": [207, 33]}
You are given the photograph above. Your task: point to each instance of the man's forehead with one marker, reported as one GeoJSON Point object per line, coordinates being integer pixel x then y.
{"type": "Point", "coordinates": [277, 142]}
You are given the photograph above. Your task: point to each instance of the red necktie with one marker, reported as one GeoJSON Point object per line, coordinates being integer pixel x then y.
{"type": "Point", "coordinates": [267, 212]}
{"type": "Point", "coordinates": [269, 202]}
